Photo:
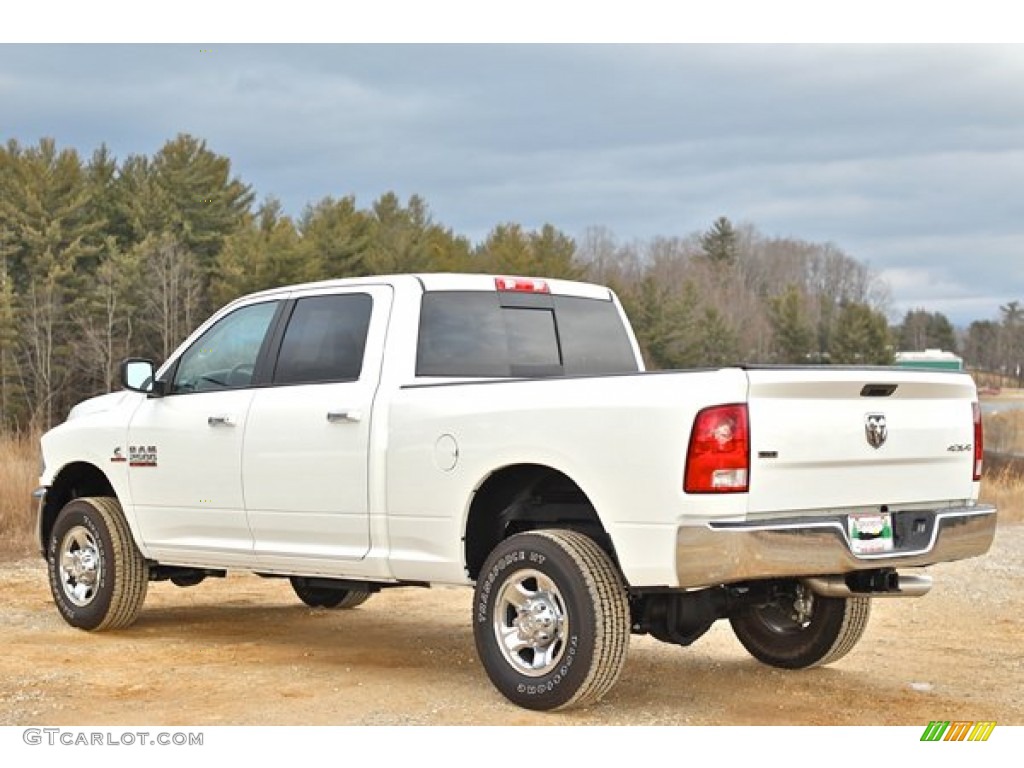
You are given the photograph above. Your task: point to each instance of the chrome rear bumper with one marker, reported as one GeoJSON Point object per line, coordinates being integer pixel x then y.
{"type": "Point", "coordinates": [725, 552]}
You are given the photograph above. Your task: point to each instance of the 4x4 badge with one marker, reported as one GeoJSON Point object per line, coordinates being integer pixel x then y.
{"type": "Point", "coordinates": [875, 429]}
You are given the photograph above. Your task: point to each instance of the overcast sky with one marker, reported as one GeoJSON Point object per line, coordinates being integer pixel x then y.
{"type": "Point", "coordinates": [909, 158]}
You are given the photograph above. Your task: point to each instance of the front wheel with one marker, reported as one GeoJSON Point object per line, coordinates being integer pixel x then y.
{"type": "Point", "coordinates": [551, 620]}
{"type": "Point", "coordinates": [98, 577]}
{"type": "Point", "coordinates": [798, 629]}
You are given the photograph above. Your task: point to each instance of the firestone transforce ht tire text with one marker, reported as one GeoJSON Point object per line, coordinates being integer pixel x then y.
{"type": "Point", "coordinates": [97, 575]}
{"type": "Point", "coordinates": [551, 620]}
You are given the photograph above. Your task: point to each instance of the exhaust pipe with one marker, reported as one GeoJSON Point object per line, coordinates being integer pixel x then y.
{"type": "Point", "coordinates": [894, 585]}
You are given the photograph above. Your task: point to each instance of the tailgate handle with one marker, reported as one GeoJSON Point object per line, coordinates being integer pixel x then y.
{"type": "Point", "coordinates": [878, 390]}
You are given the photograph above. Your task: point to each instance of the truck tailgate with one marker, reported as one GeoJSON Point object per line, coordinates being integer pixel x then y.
{"type": "Point", "coordinates": [835, 438]}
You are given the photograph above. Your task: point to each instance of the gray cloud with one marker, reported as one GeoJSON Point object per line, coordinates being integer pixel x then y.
{"type": "Point", "coordinates": [908, 157]}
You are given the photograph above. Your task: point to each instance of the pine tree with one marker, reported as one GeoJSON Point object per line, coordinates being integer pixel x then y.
{"type": "Point", "coordinates": [511, 250]}
{"type": "Point", "coordinates": [336, 238]}
{"type": "Point", "coordinates": [981, 349]}
{"type": "Point", "coordinates": [721, 242]}
{"type": "Point", "coordinates": [11, 390]}
{"type": "Point", "coordinates": [861, 337]}
{"type": "Point", "coordinates": [791, 325]}
{"type": "Point", "coordinates": [717, 342]}
{"type": "Point", "coordinates": [505, 250]}
{"type": "Point", "coordinates": [203, 203]}
{"type": "Point", "coordinates": [265, 252]}
{"type": "Point", "coordinates": [406, 239]}
{"type": "Point", "coordinates": [51, 245]}
{"type": "Point", "coordinates": [554, 254]}
{"type": "Point", "coordinates": [664, 319]}
{"type": "Point", "coordinates": [922, 330]}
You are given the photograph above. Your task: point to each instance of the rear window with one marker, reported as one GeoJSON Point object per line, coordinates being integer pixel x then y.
{"type": "Point", "coordinates": [485, 334]}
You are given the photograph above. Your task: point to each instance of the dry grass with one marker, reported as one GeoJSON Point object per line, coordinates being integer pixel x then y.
{"type": "Point", "coordinates": [1005, 489]}
{"type": "Point", "coordinates": [1004, 432]}
{"type": "Point", "coordinates": [19, 475]}
{"type": "Point", "coordinates": [1003, 481]}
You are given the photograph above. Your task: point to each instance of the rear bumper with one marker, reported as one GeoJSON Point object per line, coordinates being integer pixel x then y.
{"type": "Point", "coordinates": [726, 552]}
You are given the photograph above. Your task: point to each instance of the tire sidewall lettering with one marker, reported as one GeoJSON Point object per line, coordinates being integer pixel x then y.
{"type": "Point", "coordinates": [492, 580]}
{"type": "Point", "coordinates": [492, 575]}
{"type": "Point", "coordinates": [80, 615]}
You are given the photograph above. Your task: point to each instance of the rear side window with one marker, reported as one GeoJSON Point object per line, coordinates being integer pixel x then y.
{"type": "Point", "coordinates": [485, 334]}
{"type": "Point", "coordinates": [325, 339]}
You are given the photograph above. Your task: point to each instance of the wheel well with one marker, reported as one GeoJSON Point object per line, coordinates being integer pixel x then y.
{"type": "Point", "coordinates": [527, 497]}
{"type": "Point", "coordinates": [72, 482]}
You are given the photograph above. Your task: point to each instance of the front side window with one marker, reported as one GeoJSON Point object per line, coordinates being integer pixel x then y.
{"type": "Point", "coordinates": [225, 356]}
{"type": "Point", "coordinates": [325, 339]}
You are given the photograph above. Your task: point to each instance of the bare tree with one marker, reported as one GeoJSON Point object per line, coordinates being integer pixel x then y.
{"type": "Point", "coordinates": [105, 324]}
{"type": "Point", "coordinates": [170, 290]}
{"type": "Point", "coordinates": [43, 377]}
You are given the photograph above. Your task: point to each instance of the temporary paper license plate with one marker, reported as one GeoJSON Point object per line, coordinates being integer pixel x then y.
{"type": "Point", "coordinates": [870, 532]}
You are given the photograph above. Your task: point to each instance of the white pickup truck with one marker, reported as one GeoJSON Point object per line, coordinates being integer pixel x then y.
{"type": "Point", "coordinates": [359, 434]}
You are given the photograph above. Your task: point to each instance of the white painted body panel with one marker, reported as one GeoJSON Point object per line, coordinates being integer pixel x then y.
{"type": "Point", "coordinates": [386, 497]}
{"type": "Point", "coordinates": [305, 476]}
{"type": "Point", "coordinates": [816, 426]}
{"type": "Point", "coordinates": [191, 501]}
{"type": "Point", "coordinates": [621, 439]}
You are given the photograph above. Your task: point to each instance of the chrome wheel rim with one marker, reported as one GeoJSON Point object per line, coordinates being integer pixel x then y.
{"type": "Point", "coordinates": [80, 565]}
{"type": "Point", "coordinates": [531, 623]}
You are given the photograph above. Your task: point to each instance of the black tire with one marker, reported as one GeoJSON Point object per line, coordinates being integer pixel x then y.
{"type": "Point", "coordinates": [571, 626]}
{"type": "Point", "coordinates": [777, 635]}
{"type": "Point", "coordinates": [98, 577]}
{"type": "Point", "coordinates": [327, 597]}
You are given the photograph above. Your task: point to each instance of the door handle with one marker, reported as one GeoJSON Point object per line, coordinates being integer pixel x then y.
{"type": "Point", "coordinates": [336, 417]}
{"type": "Point", "coordinates": [220, 420]}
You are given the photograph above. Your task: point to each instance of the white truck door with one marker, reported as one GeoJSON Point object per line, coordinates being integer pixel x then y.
{"type": "Point", "coordinates": [185, 448]}
{"type": "Point", "coordinates": [305, 459]}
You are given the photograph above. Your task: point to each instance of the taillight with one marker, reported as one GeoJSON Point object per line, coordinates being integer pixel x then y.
{"type": "Point", "coordinates": [521, 284]}
{"type": "Point", "coordinates": [718, 460]}
{"type": "Point", "coordinates": [979, 441]}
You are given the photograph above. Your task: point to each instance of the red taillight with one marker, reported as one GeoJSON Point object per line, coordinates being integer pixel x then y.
{"type": "Point", "coordinates": [718, 460]}
{"type": "Point", "coordinates": [521, 284]}
{"type": "Point", "coordinates": [979, 441]}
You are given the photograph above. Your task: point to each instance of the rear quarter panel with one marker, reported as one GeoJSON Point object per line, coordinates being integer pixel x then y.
{"type": "Point", "coordinates": [621, 439]}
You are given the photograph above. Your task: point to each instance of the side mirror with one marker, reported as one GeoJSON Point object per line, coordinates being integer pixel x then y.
{"type": "Point", "coordinates": [137, 375]}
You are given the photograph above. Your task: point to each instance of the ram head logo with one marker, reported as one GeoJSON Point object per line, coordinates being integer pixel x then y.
{"type": "Point", "coordinates": [875, 429]}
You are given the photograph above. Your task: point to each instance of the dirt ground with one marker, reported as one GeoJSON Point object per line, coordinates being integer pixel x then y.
{"type": "Point", "coordinates": [244, 651]}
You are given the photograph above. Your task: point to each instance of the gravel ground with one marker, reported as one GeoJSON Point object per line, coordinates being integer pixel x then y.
{"type": "Point", "coordinates": [243, 651]}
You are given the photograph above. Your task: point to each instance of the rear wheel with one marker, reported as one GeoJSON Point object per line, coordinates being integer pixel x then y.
{"type": "Point", "coordinates": [98, 577]}
{"type": "Point", "coordinates": [327, 597]}
{"type": "Point", "coordinates": [799, 629]}
{"type": "Point", "coordinates": [551, 620]}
